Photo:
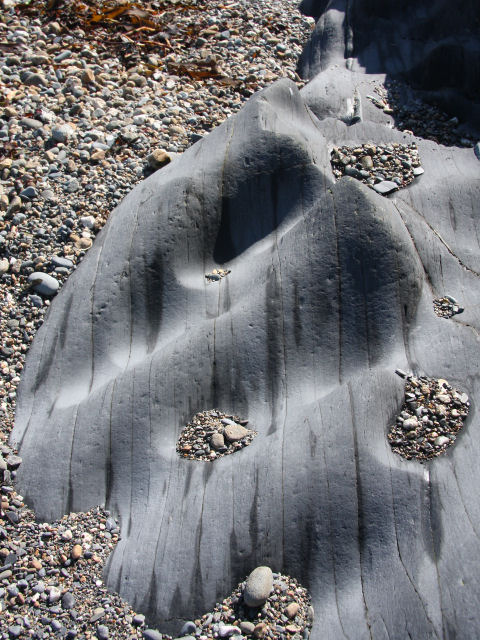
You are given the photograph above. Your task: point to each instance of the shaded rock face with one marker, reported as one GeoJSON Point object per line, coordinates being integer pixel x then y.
{"type": "Point", "coordinates": [330, 289]}
{"type": "Point", "coordinates": [433, 45]}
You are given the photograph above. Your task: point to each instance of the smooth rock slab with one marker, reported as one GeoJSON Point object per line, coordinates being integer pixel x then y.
{"type": "Point", "coordinates": [258, 587]}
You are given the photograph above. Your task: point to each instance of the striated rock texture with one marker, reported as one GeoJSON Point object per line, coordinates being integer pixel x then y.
{"type": "Point", "coordinates": [331, 288]}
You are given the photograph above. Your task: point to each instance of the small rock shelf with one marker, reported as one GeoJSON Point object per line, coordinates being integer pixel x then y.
{"type": "Point", "coordinates": [432, 415]}
{"type": "Point", "coordinates": [213, 434]}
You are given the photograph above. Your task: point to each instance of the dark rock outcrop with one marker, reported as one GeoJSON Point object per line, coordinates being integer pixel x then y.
{"type": "Point", "coordinates": [331, 288]}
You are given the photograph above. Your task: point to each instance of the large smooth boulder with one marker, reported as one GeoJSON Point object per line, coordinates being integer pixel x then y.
{"type": "Point", "coordinates": [330, 290]}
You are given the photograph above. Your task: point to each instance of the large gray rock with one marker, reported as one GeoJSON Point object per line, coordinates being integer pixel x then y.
{"type": "Point", "coordinates": [433, 44]}
{"type": "Point", "coordinates": [330, 290]}
{"type": "Point", "coordinates": [258, 587]}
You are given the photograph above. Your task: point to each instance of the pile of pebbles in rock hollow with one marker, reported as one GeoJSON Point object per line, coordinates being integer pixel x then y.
{"type": "Point", "coordinates": [279, 609]}
{"type": "Point", "coordinates": [447, 307]}
{"type": "Point", "coordinates": [432, 415]}
{"type": "Point", "coordinates": [217, 274]}
{"type": "Point", "coordinates": [213, 434]}
{"type": "Point", "coordinates": [383, 167]}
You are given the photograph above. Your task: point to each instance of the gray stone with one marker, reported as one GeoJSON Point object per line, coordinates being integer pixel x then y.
{"type": "Point", "coordinates": [43, 283]}
{"type": "Point", "coordinates": [227, 630]}
{"type": "Point", "coordinates": [102, 632]}
{"type": "Point", "coordinates": [418, 171]}
{"type": "Point", "coordinates": [54, 595]}
{"type": "Point", "coordinates": [29, 78]}
{"type": "Point", "coordinates": [152, 634]}
{"type": "Point", "coordinates": [247, 627]}
{"type": "Point", "coordinates": [188, 627]}
{"type": "Point", "coordinates": [68, 600]}
{"type": "Point", "coordinates": [385, 187]}
{"type": "Point", "coordinates": [217, 441]}
{"type": "Point", "coordinates": [4, 266]}
{"type": "Point", "coordinates": [410, 423]}
{"type": "Point", "coordinates": [60, 261]}
{"type": "Point", "coordinates": [13, 461]}
{"type": "Point", "coordinates": [258, 586]}
{"type": "Point", "coordinates": [36, 301]}
{"type": "Point", "coordinates": [62, 133]}
{"type": "Point", "coordinates": [29, 192]}
{"type": "Point", "coordinates": [31, 123]}
{"type": "Point", "coordinates": [234, 432]}
{"type": "Point", "coordinates": [72, 185]}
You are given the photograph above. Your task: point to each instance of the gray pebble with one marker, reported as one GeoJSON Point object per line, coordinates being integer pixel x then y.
{"type": "Point", "coordinates": [102, 632]}
{"type": "Point", "coordinates": [188, 627]}
{"type": "Point", "coordinates": [62, 133]}
{"type": "Point", "coordinates": [258, 586]}
{"type": "Point", "coordinates": [152, 634]}
{"type": "Point", "coordinates": [138, 620]}
{"type": "Point", "coordinates": [68, 600]}
{"type": "Point", "coordinates": [59, 261]}
{"type": "Point", "coordinates": [29, 192]}
{"type": "Point", "coordinates": [43, 283]}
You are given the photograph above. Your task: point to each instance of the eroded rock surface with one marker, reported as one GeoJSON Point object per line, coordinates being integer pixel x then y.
{"type": "Point", "coordinates": [331, 288]}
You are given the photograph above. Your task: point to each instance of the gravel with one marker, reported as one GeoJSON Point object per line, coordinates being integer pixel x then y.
{"type": "Point", "coordinates": [432, 415]}
{"type": "Point", "coordinates": [384, 168]}
{"type": "Point", "coordinates": [286, 614]}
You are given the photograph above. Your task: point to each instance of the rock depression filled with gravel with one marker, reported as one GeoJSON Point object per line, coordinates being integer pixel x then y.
{"type": "Point", "coordinates": [431, 418]}
{"type": "Point", "coordinates": [213, 434]}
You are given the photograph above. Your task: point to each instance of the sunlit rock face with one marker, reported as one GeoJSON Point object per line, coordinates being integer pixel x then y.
{"type": "Point", "coordinates": [330, 289]}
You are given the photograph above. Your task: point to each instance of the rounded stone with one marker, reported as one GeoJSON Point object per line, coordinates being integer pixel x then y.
{"type": "Point", "coordinates": [68, 600]}
{"type": "Point", "coordinates": [43, 283]}
{"type": "Point", "coordinates": [77, 552]}
{"type": "Point", "coordinates": [102, 632]}
{"type": "Point", "coordinates": [410, 423]}
{"type": "Point", "coordinates": [4, 265]}
{"type": "Point", "coordinates": [62, 133]}
{"type": "Point", "coordinates": [188, 627]}
{"type": "Point", "coordinates": [235, 432]}
{"type": "Point", "coordinates": [258, 587]}
{"type": "Point", "coordinates": [247, 627]}
{"type": "Point", "coordinates": [152, 634]}
{"type": "Point", "coordinates": [217, 441]}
